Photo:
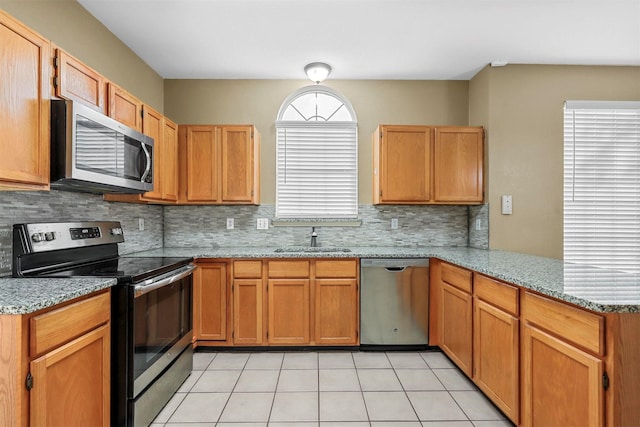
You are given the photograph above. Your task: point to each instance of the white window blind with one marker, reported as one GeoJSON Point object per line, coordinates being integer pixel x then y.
{"type": "Point", "coordinates": [317, 156]}
{"type": "Point", "coordinates": [602, 184]}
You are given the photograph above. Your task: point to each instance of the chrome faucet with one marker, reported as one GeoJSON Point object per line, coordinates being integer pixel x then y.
{"type": "Point", "coordinates": [314, 237]}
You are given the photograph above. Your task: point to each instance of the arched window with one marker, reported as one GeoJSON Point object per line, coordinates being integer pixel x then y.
{"type": "Point", "coordinates": [317, 156]}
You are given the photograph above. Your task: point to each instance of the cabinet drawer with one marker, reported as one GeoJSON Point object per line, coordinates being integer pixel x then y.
{"type": "Point", "coordinates": [289, 268]}
{"type": "Point", "coordinates": [336, 268]}
{"type": "Point", "coordinates": [571, 324]}
{"type": "Point", "coordinates": [496, 293]}
{"type": "Point", "coordinates": [247, 269]}
{"type": "Point", "coordinates": [56, 327]}
{"type": "Point", "coordinates": [456, 276]}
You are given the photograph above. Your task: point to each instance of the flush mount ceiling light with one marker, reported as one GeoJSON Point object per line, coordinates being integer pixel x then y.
{"type": "Point", "coordinates": [317, 71]}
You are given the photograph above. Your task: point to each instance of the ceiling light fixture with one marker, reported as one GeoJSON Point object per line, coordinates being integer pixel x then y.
{"type": "Point", "coordinates": [317, 71]}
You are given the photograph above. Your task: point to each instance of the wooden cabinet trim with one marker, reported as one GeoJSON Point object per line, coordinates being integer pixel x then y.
{"type": "Point", "coordinates": [578, 326]}
{"type": "Point", "coordinates": [457, 277]}
{"type": "Point", "coordinates": [497, 293]}
{"type": "Point", "coordinates": [53, 328]}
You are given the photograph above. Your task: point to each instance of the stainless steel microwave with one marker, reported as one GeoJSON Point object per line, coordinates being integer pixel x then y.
{"type": "Point", "coordinates": [91, 152]}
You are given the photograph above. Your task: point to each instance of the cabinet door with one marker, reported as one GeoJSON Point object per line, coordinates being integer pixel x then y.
{"type": "Point", "coordinates": [496, 359]}
{"type": "Point", "coordinates": [336, 311]}
{"type": "Point", "coordinates": [210, 302]}
{"type": "Point", "coordinates": [562, 385]}
{"type": "Point", "coordinates": [24, 107]}
{"type": "Point", "coordinates": [77, 82]}
{"type": "Point", "coordinates": [456, 326]}
{"type": "Point", "coordinates": [71, 384]}
{"type": "Point", "coordinates": [247, 312]}
{"type": "Point", "coordinates": [237, 163]}
{"type": "Point", "coordinates": [152, 126]}
{"type": "Point", "coordinates": [405, 164]}
{"type": "Point", "coordinates": [457, 166]}
{"type": "Point", "coordinates": [202, 155]}
{"type": "Point", "coordinates": [124, 107]}
{"type": "Point", "coordinates": [288, 311]}
{"type": "Point", "coordinates": [169, 177]}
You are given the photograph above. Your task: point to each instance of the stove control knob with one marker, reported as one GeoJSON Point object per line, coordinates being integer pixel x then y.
{"type": "Point", "coordinates": [49, 236]}
{"type": "Point", "coordinates": [37, 237]}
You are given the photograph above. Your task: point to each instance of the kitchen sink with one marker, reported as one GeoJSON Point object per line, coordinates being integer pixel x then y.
{"type": "Point", "coordinates": [311, 249]}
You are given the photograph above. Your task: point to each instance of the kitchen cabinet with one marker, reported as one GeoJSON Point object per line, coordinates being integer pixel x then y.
{"type": "Point", "coordinates": [248, 303]}
{"type": "Point", "coordinates": [428, 165]}
{"type": "Point", "coordinates": [24, 107]}
{"type": "Point", "coordinates": [456, 311]}
{"type": "Point", "coordinates": [563, 367]}
{"type": "Point", "coordinates": [402, 164]}
{"type": "Point", "coordinates": [458, 159]}
{"type": "Point", "coordinates": [219, 164]}
{"type": "Point", "coordinates": [75, 81]}
{"type": "Point", "coordinates": [210, 302]}
{"type": "Point", "coordinates": [336, 302]}
{"type": "Point", "coordinates": [63, 354]}
{"type": "Point", "coordinates": [496, 343]}
{"type": "Point", "coordinates": [169, 164]}
{"type": "Point", "coordinates": [124, 107]}
{"type": "Point", "coordinates": [289, 302]}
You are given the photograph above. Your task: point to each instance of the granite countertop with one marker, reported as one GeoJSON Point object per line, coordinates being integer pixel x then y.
{"type": "Point", "coordinates": [600, 290]}
{"type": "Point", "coordinates": [22, 296]}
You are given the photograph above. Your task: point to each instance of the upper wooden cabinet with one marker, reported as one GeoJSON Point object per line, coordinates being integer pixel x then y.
{"type": "Point", "coordinates": [427, 165]}
{"type": "Point", "coordinates": [219, 164]}
{"type": "Point", "coordinates": [24, 107]}
{"type": "Point", "coordinates": [124, 107]}
{"type": "Point", "coordinates": [75, 81]}
{"type": "Point", "coordinates": [457, 164]}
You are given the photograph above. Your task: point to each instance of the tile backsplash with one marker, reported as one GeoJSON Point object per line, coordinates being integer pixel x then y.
{"type": "Point", "coordinates": [21, 207]}
{"type": "Point", "coordinates": [417, 226]}
{"type": "Point", "coordinates": [203, 226]}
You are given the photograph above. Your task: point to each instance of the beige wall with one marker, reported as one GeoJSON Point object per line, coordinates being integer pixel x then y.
{"type": "Point", "coordinates": [70, 26]}
{"type": "Point", "coordinates": [258, 101]}
{"type": "Point", "coordinates": [521, 107]}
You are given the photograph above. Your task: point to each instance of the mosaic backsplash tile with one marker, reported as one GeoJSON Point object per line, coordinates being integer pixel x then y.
{"type": "Point", "coordinates": [21, 207]}
{"type": "Point", "coordinates": [205, 226]}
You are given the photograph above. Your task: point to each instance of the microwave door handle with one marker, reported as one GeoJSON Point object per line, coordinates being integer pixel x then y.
{"type": "Point", "coordinates": [148, 156]}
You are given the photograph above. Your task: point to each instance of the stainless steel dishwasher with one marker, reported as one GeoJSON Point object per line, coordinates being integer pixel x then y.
{"type": "Point", "coordinates": [394, 302]}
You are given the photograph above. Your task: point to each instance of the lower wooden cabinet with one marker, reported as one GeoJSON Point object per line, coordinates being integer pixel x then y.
{"type": "Point", "coordinates": [55, 365]}
{"type": "Point", "coordinates": [496, 343]}
{"type": "Point", "coordinates": [456, 311]}
{"type": "Point", "coordinates": [210, 301]}
{"type": "Point", "coordinates": [279, 302]}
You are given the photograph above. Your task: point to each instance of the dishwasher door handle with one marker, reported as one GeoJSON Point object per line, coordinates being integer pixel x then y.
{"type": "Point", "coordinates": [395, 269]}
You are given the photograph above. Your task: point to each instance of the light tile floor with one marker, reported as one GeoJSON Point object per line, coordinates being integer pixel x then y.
{"type": "Point", "coordinates": [328, 389]}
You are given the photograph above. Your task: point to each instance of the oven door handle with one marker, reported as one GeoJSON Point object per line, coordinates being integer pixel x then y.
{"type": "Point", "coordinates": [152, 285]}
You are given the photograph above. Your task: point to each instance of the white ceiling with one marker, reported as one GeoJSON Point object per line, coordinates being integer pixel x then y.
{"type": "Point", "coordinates": [369, 39]}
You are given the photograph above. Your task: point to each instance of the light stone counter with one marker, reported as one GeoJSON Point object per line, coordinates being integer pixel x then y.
{"type": "Point", "coordinates": [592, 288]}
{"type": "Point", "coordinates": [22, 296]}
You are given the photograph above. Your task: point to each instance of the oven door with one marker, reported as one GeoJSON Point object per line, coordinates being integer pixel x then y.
{"type": "Point", "coordinates": [162, 325]}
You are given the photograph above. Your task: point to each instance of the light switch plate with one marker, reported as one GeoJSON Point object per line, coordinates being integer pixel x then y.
{"type": "Point", "coordinates": [230, 223]}
{"type": "Point", "coordinates": [141, 224]}
{"type": "Point", "coordinates": [394, 223]}
{"type": "Point", "coordinates": [263, 223]}
{"type": "Point", "coordinates": [507, 204]}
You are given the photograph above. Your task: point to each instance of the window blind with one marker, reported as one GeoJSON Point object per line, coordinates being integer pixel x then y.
{"type": "Point", "coordinates": [602, 184]}
{"type": "Point", "coordinates": [317, 170]}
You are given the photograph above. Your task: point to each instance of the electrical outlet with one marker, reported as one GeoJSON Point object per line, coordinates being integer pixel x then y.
{"type": "Point", "coordinates": [478, 224]}
{"type": "Point", "coordinates": [394, 223]}
{"type": "Point", "coordinates": [507, 205]}
{"type": "Point", "coordinates": [230, 223]}
{"type": "Point", "coordinates": [263, 223]}
{"type": "Point", "coordinates": [141, 224]}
